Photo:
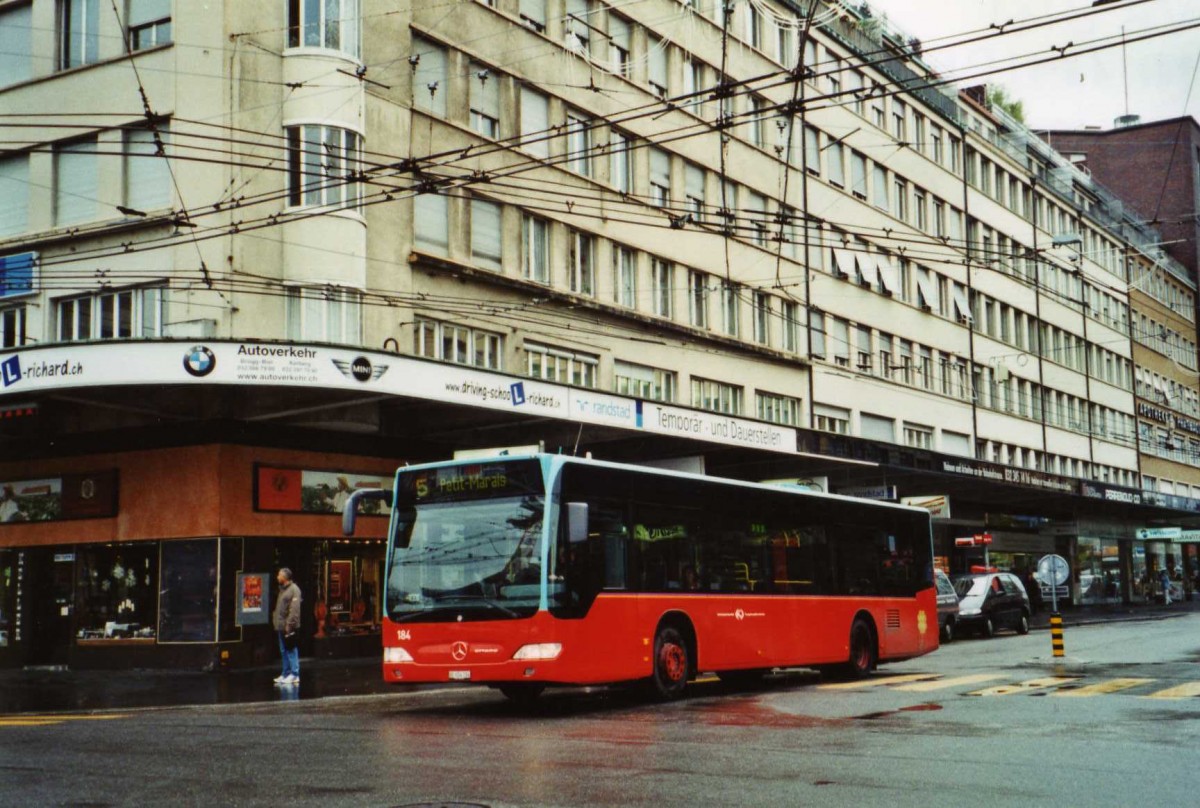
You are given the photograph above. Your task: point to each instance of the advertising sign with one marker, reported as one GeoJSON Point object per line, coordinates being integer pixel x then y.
{"type": "Point", "coordinates": [253, 593]}
{"type": "Point", "coordinates": [50, 499]}
{"type": "Point", "coordinates": [938, 505]}
{"type": "Point", "coordinates": [311, 491]}
{"type": "Point", "coordinates": [711, 426]}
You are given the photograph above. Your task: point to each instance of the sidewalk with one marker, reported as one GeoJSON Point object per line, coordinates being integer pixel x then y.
{"type": "Point", "coordinates": [47, 690]}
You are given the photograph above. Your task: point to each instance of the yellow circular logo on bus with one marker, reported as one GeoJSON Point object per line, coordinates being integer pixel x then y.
{"type": "Point", "coordinates": [922, 622]}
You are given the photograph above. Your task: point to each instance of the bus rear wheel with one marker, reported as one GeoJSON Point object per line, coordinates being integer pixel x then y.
{"type": "Point", "coordinates": [862, 651]}
{"type": "Point", "coordinates": [672, 663]}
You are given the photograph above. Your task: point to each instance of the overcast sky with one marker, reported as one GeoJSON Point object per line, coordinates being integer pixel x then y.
{"type": "Point", "coordinates": [1070, 93]}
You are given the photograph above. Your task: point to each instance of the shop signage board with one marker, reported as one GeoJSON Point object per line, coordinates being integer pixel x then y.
{"type": "Point", "coordinates": [1110, 493]}
{"type": "Point", "coordinates": [711, 426]}
{"type": "Point", "coordinates": [1158, 533]}
{"type": "Point", "coordinates": [88, 495]}
{"type": "Point", "coordinates": [994, 472]}
{"type": "Point", "coordinates": [938, 505]}
{"type": "Point", "coordinates": [880, 492]}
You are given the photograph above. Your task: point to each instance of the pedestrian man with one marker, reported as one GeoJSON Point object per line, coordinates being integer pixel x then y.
{"type": "Point", "coordinates": [287, 625]}
{"type": "Point", "coordinates": [1164, 581]}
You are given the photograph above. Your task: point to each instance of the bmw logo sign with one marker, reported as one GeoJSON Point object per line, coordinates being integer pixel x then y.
{"type": "Point", "coordinates": [199, 361]}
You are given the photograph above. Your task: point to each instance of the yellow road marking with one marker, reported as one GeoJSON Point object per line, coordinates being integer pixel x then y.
{"type": "Point", "coordinates": [50, 720]}
{"type": "Point", "coordinates": [924, 687]}
{"type": "Point", "coordinates": [1100, 688]}
{"type": "Point", "coordinates": [27, 722]}
{"type": "Point", "coordinates": [875, 681]}
{"type": "Point", "coordinates": [1024, 687]}
{"type": "Point", "coordinates": [1186, 690]}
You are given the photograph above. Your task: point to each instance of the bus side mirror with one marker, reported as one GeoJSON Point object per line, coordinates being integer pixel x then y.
{"type": "Point", "coordinates": [350, 509]}
{"type": "Point", "coordinates": [577, 522]}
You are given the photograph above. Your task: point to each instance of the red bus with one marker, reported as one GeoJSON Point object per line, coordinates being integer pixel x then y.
{"type": "Point", "coordinates": [520, 572]}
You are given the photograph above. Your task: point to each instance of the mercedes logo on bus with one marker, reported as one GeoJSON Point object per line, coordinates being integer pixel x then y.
{"type": "Point", "coordinates": [459, 651]}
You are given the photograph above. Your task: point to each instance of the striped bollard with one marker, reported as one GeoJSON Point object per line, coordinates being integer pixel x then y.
{"type": "Point", "coordinates": [1056, 634]}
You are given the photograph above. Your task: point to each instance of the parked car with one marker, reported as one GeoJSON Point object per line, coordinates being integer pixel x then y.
{"type": "Point", "coordinates": [947, 605]}
{"type": "Point", "coordinates": [992, 601]}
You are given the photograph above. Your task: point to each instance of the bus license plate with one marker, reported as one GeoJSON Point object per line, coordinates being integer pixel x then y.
{"type": "Point", "coordinates": [459, 676]}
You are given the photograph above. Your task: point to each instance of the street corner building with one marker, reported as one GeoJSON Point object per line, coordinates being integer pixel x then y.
{"type": "Point", "coordinates": [308, 243]}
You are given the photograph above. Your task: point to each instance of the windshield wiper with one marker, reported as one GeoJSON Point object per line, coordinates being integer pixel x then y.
{"type": "Point", "coordinates": [484, 599]}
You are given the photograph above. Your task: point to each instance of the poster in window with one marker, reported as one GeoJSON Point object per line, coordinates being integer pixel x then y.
{"type": "Point", "coordinates": [311, 491]}
{"type": "Point", "coordinates": [339, 585]}
{"type": "Point", "coordinates": [252, 606]}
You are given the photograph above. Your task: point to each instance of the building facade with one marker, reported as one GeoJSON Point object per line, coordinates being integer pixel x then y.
{"type": "Point", "coordinates": [306, 242]}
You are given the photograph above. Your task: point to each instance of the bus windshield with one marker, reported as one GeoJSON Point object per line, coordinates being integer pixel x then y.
{"type": "Point", "coordinates": [467, 543]}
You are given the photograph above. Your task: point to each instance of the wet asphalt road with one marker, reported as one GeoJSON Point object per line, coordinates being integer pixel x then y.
{"type": "Point", "coordinates": [973, 724]}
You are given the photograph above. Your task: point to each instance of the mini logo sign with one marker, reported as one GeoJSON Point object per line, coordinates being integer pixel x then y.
{"type": "Point", "coordinates": [458, 651]}
{"type": "Point", "coordinates": [199, 361]}
{"type": "Point", "coordinates": [360, 369]}
{"type": "Point", "coordinates": [10, 370]}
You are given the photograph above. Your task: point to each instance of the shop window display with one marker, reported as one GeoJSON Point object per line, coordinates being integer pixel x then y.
{"type": "Point", "coordinates": [348, 602]}
{"type": "Point", "coordinates": [188, 608]}
{"type": "Point", "coordinates": [1097, 564]}
{"type": "Point", "coordinates": [117, 595]}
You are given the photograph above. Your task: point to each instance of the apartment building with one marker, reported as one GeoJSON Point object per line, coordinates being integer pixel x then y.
{"type": "Point", "coordinates": [256, 256]}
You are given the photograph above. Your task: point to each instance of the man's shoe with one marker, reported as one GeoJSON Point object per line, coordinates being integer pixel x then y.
{"type": "Point", "coordinates": [290, 680]}
{"type": "Point", "coordinates": [280, 679]}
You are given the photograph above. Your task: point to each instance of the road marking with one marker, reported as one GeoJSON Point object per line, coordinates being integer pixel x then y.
{"type": "Point", "coordinates": [876, 681]}
{"type": "Point", "coordinates": [1186, 690]}
{"type": "Point", "coordinates": [939, 684]}
{"type": "Point", "coordinates": [53, 720]}
{"type": "Point", "coordinates": [1024, 687]}
{"type": "Point", "coordinates": [1100, 688]}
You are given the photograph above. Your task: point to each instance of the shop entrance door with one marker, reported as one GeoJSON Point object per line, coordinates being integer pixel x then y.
{"type": "Point", "coordinates": [51, 604]}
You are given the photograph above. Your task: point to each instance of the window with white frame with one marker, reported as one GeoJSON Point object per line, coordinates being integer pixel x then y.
{"type": "Point", "coordinates": [148, 23]}
{"type": "Point", "coordinates": [14, 194]}
{"type": "Point", "coordinates": [620, 169]}
{"type": "Point", "coordinates": [430, 78]}
{"type": "Point", "coordinates": [831, 419]}
{"type": "Point", "coordinates": [657, 70]}
{"type": "Point", "coordinates": [762, 318]}
{"type": "Point", "coordinates": [660, 177]}
{"type": "Point", "coordinates": [663, 278]}
{"type": "Point", "coordinates": [698, 298]}
{"type": "Point", "coordinates": [486, 248]}
{"type": "Point", "coordinates": [118, 314]}
{"type": "Point", "coordinates": [785, 47]}
{"type": "Point", "coordinates": [12, 326]}
{"type": "Point", "coordinates": [816, 329]}
{"type": "Point", "coordinates": [693, 176]}
{"type": "Point", "coordinates": [323, 163]}
{"type": "Point", "coordinates": [78, 33]}
{"type": "Point", "coordinates": [624, 276]}
{"type": "Point", "coordinates": [917, 436]}
{"type": "Point", "coordinates": [330, 24]}
{"type": "Point", "coordinates": [755, 121]}
{"type": "Point", "coordinates": [76, 182]}
{"type": "Point", "coordinates": [484, 92]}
{"type": "Point", "coordinates": [535, 249]}
{"type": "Point", "coordinates": [579, 144]}
{"type": "Point", "coordinates": [431, 227]}
{"type": "Point", "coordinates": [812, 150]}
{"type": "Point", "coordinates": [619, 39]}
{"type": "Point", "coordinates": [835, 165]}
{"type": "Point", "coordinates": [147, 173]}
{"type": "Point", "coordinates": [578, 25]}
{"type": "Point", "coordinates": [535, 120]}
{"type": "Point", "coordinates": [581, 260]}
{"type": "Point", "coordinates": [16, 43]}
{"type": "Point", "coordinates": [642, 381]}
{"type": "Point", "coordinates": [533, 14]}
{"type": "Point", "coordinates": [716, 396]}
{"type": "Point", "coordinates": [790, 316]}
{"type": "Point", "coordinates": [756, 213]}
{"type": "Point", "coordinates": [562, 365]}
{"type": "Point", "coordinates": [754, 25]}
{"type": "Point", "coordinates": [324, 314]}
{"type": "Point", "coordinates": [460, 344]}
{"type": "Point", "coordinates": [777, 409]}
{"type": "Point", "coordinates": [730, 309]}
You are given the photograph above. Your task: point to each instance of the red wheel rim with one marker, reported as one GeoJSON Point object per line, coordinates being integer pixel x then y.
{"type": "Point", "coordinates": [673, 661]}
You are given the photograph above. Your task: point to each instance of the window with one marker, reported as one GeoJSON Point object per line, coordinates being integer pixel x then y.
{"type": "Point", "coordinates": [485, 234]}
{"type": "Point", "coordinates": [578, 26]}
{"type": "Point", "coordinates": [430, 84]}
{"type": "Point", "coordinates": [535, 249]}
{"type": "Point", "coordinates": [812, 150]}
{"type": "Point", "coordinates": [484, 89]}
{"type": "Point", "coordinates": [862, 341]}
{"type": "Point", "coordinates": [16, 44]}
{"type": "Point", "coordinates": [777, 409]}
{"type": "Point", "coordinates": [756, 212]}
{"type": "Point", "coordinates": [694, 188]}
{"type": "Point", "coordinates": [322, 165]}
{"type": "Point", "coordinates": [835, 164]}
{"type": "Point", "coordinates": [816, 327]}
{"type": "Point", "coordinates": [730, 303]}
{"type": "Point", "coordinates": [147, 173]}
{"type": "Point", "coordinates": [754, 121]}
{"type": "Point", "coordinates": [76, 183]}
{"type": "Point", "coordinates": [12, 326]}
{"type": "Point", "coordinates": [561, 365]}
{"type": "Point", "coordinates": [123, 314]}
{"type": "Point", "coordinates": [858, 176]}
{"type": "Point", "coordinates": [839, 341]}
{"type": "Point", "coordinates": [332, 24]}
{"type": "Point", "coordinates": [901, 199]}
{"type": "Point", "coordinates": [716, 396]}
{"type": "Point", "coordinates": [657, 65]}
{"type": "Point", "coordinates": [899, 127]}
{"type": "Point", "coordinates": [762, 318]}
{"type": "Point", "coordinates": [621, 166]}
{"type": "Point", "coordinates": [625, 276]}
{"type": "Point", "coordinates": [78, 32]}
{"type": "Point", "coordinates": [754, 26]}
{"type": "Point", "coordinates": [879, 189]}
{"type": "Point", "coordinates": [831, 419]}
{"type": "Point", "coordinates": [693, 84]}
{"type": "Point", "coordinates": [698, 298]}
{"type": "Point", "coordinates": [640, 381]}
{"type": "Point", "coordinates": [920, 437]}
{"type": "Point", "coordinates": [790, 315]}
{"type": "Point", "coordinates": [149, 23]}
{"type": "Point", "coordinates": [920, 209]}
{"type": "Point", "coordinates": [581, 258]}
{"type": "Point", "coordinates": [457, 343]}
{"type": "Point", "coordinates": [533, 14]}
{"type": "Point", "coordinates": [618, 45]}
{"type": "Point", "coordinates": [664, 287]}
{"type": "Point", "coordinates": [535, 121]}
{"type": "Point", "coordinates": [785, 48]}
{"type": "Point", "coordinates": [14, 192]}
{"type": "Point", "coordinates": [324, 314]}
{"type": "Point", "coordinates": [660, 177]}
{"type": "Point", "coordinates": [431, 226]}
{"type": "Point", "coordinates": [579, 144]}
{"type": "Point", "coordinates": [918, 141]}
{"type": "Point", "coordinates": [935, 140]}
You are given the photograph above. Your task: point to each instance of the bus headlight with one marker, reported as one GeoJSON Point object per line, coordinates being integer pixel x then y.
{"type": "Point", "coordinates": [541, 650]}
{"type": "Point", "coordinates": [394, 655]}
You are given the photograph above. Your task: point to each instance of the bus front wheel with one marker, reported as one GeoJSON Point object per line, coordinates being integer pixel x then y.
{"type": "Point", "coordinates": [671, 663]}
